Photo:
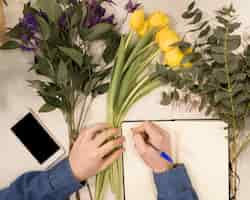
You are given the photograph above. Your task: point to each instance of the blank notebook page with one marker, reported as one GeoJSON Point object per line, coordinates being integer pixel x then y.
{"type": "Point", "coordinates": [200, 144]}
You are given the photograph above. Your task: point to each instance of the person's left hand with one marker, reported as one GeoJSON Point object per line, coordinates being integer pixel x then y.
{"type": "Point", "coordinates": [90, 154]}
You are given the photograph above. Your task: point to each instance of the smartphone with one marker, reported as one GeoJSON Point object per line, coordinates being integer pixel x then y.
{"type": "Point", "coordinates": [38, 140]}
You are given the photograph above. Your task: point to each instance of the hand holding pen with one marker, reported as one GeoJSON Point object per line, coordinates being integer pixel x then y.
{"type": "Point", "coordinates": [153, 145]}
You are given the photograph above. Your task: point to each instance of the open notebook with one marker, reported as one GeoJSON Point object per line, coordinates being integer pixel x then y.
{"type": "Point", "coordinates": [200, 144]}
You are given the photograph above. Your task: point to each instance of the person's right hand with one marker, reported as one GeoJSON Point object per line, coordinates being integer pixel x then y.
{"type": "Point", "coordinates": [90, 154]}
{"type": "Point", "coordinates": [149, 133]}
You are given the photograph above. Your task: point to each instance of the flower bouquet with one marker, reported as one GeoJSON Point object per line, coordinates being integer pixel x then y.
{"type": "Point", "coordinates": [60, 34]}
{"type": "Point", "coordinates": [134, 75]}
{"type": "Point", "coordinates": [218, 73]}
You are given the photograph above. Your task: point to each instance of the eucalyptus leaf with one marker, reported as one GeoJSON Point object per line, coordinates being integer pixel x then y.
{"type": "Point", "coordinates": [165, 99]}
{"type": "Point", "coordinates": [234, 42]}
{"type": "Point", "coordinates": [197, 18]}
{"type": "Point", "coordinates": [188, 15]}
{"type": "Point", "coordinates": [191, 6]}
{"type": "Point", "coordinates": [234, 26]}
{"type": "Point", "coordinates": [219, 58]}
{"type": "Point", "coordinates": [74, 54]}
{"type": "Point", "coordinates": [205, 32]}
{"type": "Point", "coordinates": [201, 26]}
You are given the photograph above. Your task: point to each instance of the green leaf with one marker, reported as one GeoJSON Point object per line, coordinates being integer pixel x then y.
{"type": "Point", "coordinates": [204, 32]}
{"type": "Point", "coordinates": [98, 31]}
{"type": "Point", "coordinates": [188, 15]}
{"type": "Point", "coordinates": [219, 33]}
{"type": "Point", "coordinates": [16, 31]}
{"type": "Point", "coordinates": [112, 44]}
{"type": "Point", "coordinates": [44, 27]}
{"type": "Point", "coordinates": [220, 75]}
{"type": "Point", "coordinates": [47, 108]}
{"type": "Point", "coordinates": [10, 45]}
{"type": "Point", "coordinates": [165, 99]}
{"type": "Point", "coordinates": [200, 27]}
{"type": "Point", "coordinates": [233, 27]}
{"type": "Point", "coordinates": [219, 58]}
{"type": "Point", "coordinates": [239, 77]}
{"type": "Point", "coordinates": [78, 15]}
{"type": "Point", "coordinates": [101, 89]}
{"type": "Point", "coordinates": [220, 96]}
{"type": "Point", "coordinates": [74, 54]}
{"type": "Point", "coordinates": [51, 8]}
{"type": "Point", "coordinates": [222, 20]}
{"type": "Point", "coordinates": [197, 18]}
{"type": "Point", "coordinates": [234, 42]}
{"type": "Point", "coordinates": [218, 49]}
{"type": "Point", "coordinates": [62, 74]}
{"type": "Point", "coordinates": [191, 6]}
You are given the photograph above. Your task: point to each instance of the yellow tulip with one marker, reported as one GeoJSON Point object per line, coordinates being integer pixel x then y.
{"type": "Point", "coordinates": [188, 51]}
{"type": "Point", "coordinates": [165, 38]}
{"type": "Point", "coordinates": [137, 20]}
{"type": "Point", "coordinates": [144, 29]}
{"type": "Point", "coordinates": [158, 19]}
{"type": "Point", "coordinates": [174, 57]}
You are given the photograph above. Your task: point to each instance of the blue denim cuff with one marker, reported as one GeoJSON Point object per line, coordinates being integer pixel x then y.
{"type": "Point", "coordinates": [62, 178]}
{"type": "Point", "coordinates": [173, 182]}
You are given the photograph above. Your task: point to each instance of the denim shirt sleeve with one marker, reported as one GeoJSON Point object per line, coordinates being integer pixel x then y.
{"type": "Point", "coordinates": [57, 183]}
{"type": "Point", "coordinates": [175, 185]}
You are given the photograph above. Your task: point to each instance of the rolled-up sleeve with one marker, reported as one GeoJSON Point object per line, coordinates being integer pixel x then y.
{"type": "Point", "coordinates": [175, 185]}
{"type": "Point", "coordinates": [57, 183]}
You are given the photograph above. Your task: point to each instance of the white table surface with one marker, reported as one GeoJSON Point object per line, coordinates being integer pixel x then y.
{"type": "Point", "coordinates": [16, 96]}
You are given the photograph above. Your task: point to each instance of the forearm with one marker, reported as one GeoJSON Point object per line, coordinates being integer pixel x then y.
{"type": "Point", "coordinates": [175, 184]}
{"type": "Point", "coordinates": [57, 184]}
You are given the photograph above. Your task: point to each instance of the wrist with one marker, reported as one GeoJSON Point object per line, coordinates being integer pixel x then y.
{"type": "Point", "coordinates": [75, 170]}
{"type": "Point", "coordinates": [166, 168]}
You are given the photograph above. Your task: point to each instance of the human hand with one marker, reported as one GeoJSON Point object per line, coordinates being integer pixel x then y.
{"type": "Point", "coordinates": [90, 154]}
{"type": "Point", "coordinates": [149, 133]}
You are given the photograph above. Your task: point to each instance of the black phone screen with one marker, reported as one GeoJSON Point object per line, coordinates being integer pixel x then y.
{"type": "Point", "coordinates": [35, 138]}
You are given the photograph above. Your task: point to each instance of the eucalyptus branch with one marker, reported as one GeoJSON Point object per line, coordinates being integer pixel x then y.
{"type": "Point", "coordinates": [242, 147]}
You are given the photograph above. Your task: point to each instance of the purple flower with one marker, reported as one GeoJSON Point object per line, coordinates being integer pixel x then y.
{"type": "Point", "coordinates": [131, 7]}
{"type": "Point", "coordinates": [109, 20]}
{"type": "Point", "coordinates": [29, 22]}
{"type": "Point", "coordinates": [95, 13]}
{"type": "Point", "coordinates": [62, 21]}
{"type": "Point", "coordinates": [110, 1]}
{"type": "Point", "coordinates": [29, 42]}
{"type": "Point", "coordinates": [26, 48]}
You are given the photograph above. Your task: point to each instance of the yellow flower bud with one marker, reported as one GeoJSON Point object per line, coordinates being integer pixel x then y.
{"type": "Point", "coordinates": [137, 20]}
{"type": "Point", "coordinates": [158, 19]}
{"type": "Point", "coordinates": [165, 38]}
{"type": "Point", "coordinates": [144, 29]}
{"type": "Point", "coordinates": [174, 57]}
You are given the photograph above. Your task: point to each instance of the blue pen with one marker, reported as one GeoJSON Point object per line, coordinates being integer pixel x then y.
{"type": "Point", "coordinates": [164, 155]}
